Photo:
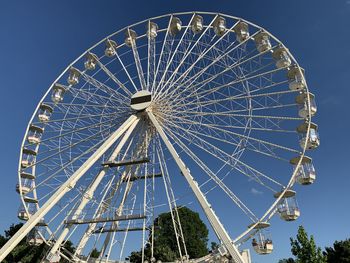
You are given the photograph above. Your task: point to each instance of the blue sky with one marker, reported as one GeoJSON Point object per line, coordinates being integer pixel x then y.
{"type": "Point", "coordinates": [40, 38]}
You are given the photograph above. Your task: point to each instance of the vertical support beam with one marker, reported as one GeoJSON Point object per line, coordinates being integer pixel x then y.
{"type": "Point", "coordinates": [91, 189]}
{"type": "Point", "coordinates": [213, 219]}
{"type": "Point", "coordinates": [65, 187]}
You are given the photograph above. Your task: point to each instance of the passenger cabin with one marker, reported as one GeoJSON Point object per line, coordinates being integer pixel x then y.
{"type": "Point", "coordinates": [58, 91]}
{"type": "Point", "coordinates": [219, 26]}
{"type": "Point", "coordinates": [304, 100]}
{"type": "Point", "coordinates": [130, 37]}
{"type": "Point", "coordinates": [90, 62]}
{"type": "Point", "coordinates": [34, 134]}
{"type": "Point", "coordinates": [34, 238]}
{"type": "Point", "coordinates": [262, 42]}
{"type": "Point", "coordinates": [313, 141]}
{"type": "Point", "coordinates": [25, 175]}
{"type": "Point", "coordinates": [296, 78]}
{"type": "Point", "coordinates": [28, 157]}
{"type": "Point", "coordinates": [152, 30]}
{"type": "Point", "coordinates": [45, 112]}
{"type": "Point", "coordinates": [74, 75]}
{"type": "Point", "coordinates": [22, 214]}
{"type": "Point", "coordinates": [111, 47]}
{"type": "Point", "coordinates": [242, 31]}
{"type": "Point", "coordinates": [25, 186]}
{"type": "Point", "coordinates": [281, 57]}
{"type": "Point", "coordinates": [197, 24]}
{"type": "Point", "coordinates": [288, 208]}
{"type": "Point", "coordinates": [262, 242]}
{"type": "Point", "coordinates": [175, 26]}
{"type": "Point", "coordinates": [306, 173]}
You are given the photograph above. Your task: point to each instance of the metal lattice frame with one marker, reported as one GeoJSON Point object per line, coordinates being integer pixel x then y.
{"type": "Point", "coordinates": [215, 97]}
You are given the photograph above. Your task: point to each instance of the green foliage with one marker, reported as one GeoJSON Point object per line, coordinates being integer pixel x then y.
{"type": "Point", "coordinates": [165, 244]}
{"type": "Point", "coordinates": [95, 253]}
{"type": "Point", "coordinates": [26, 253]}
{"type": "Point", "coordinates": [214, 246]}
{"type": "Point", "coordinates": [339, 253]}
{"type": "Point", "coordinates": [305, 249]}
{"type": "Point", "coordinates": [287, 260]}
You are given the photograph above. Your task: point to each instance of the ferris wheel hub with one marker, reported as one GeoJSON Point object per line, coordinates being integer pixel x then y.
{"type": "Point", "coordinates": [141, 100]}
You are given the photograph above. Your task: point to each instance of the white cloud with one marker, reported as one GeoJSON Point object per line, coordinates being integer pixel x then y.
{"type": "Point", "coordinates": [255, 191]}
{"type": "Point", "coordinates": [347, 2]}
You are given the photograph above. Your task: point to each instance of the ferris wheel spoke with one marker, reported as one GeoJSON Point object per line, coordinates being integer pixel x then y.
{"type": "Point", "coordinates": [208, 129]}
{"type": "Point", "coordinates": [167, 38]}
{"type": "Point", "coordinates": [151, 59]}
{"type": "Point", "coordinates": [92, 97]}
{"type": "Point", "coordinates": [226, 158]}
{"type": "Point", "coordinates": [202, 54]}
{"type": "Point", "coordinates": [112, 77]}
{"type": "Point", "coordinates": [139, 69]}
{"type": "Point", "coordinates": [216, 179]}
{"type": "Point", "coordinates": [170, 61]}
{"type": "Point", "coordinates": [270, 95]}
{"type": "Point", "coordinates": [237, 63]}
{"type": "Point", "coordinates": [79, 129]}
{"type": "Point", "coordinates": [113, 93]}
{"type": "Point", "coordinates": [81, 117]}
{"type": "Point", "coordinates": [185, 54]}
{"type": "Point", "coordinates": [235, 139]}
{"type": "Point", "coordinates": [69, 147]}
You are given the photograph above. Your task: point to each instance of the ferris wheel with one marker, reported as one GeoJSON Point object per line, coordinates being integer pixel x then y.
{"type": "Point", "coordinates": [189, 109]}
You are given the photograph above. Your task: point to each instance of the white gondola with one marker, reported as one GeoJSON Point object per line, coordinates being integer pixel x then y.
{"type": "Point", "coordinates": [34, 134]}
{"type": "Point", "coordinates": [175, 26]}
{"type": "Point", "coordinates": [45, 112]}
{"type": "Point", "coordinates": [313, 141]}
{"type": "Point", "coordinates": [25, 175]}
{"type": "Point", "coordinates": [22, 214]}
{"type": "Point", "coordinates": [262, 242]}
{"type": "Point", "coordinates": [262, 41]}
{"type": "Point", "coordinates": [111, 47]}
{"type": "Point", "coordinates": [34, 238]}
{"type": "Point", "coordinates": [90, 62]}
{"type": "Point", "coordinates": [152, 30]}
{"type": "Point", "coordinates": [306, 173]}
{"type": "Point", "coordinates": [28, 158]}
{"type": "Point", "coordinates": [219, 26]}
{"type": "Point", "coordinates": [58, 91]}
{"type": "Point", "coordinates": [281, 57]}
{"type": "Point", "coordinates": [25, 186]}
{"type": "Point", "coordinates": [74, 75]}
{"type": "Point", "coordinates": [296, 78]}
{"type": "Point", "coordinates": [242, 31]}
{"type": "Point", "coordinates": [288, 207]}
{"type": "Point", "coordinates": [303, 100]}
{"type": "Point", "coordinates": [130, 37]}
{"type": "Point", "coordinates": [30, 200]}
{"type": "Point", "coordinates": [197, 24]}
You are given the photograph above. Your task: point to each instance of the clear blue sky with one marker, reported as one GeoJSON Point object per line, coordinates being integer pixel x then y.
{"type": "Point", "coordinates": [38, 39]}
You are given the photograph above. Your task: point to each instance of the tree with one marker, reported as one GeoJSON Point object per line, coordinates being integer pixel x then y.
{"type": "Point", "coordinates": [287, 260]}
{"type": "Point", "coordinates": [339, 253]}
{"type": "Point", "coordinates": [214, 246]}
{"type": "Point", "coordinates": [26, 253]}
{"type": "Point", "coordinates": [165, 244]}
{"type": "Point", "coordinates": [305, 249]}
{"type": "Point", "coordinates": [95, 253]}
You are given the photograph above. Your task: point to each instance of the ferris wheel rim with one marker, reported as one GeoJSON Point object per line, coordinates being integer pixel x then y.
{"type": "Point", "coordinates": [268, 214]}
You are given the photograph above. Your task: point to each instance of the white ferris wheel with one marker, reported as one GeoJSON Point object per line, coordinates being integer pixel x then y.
{"type": "Point", "coordinates": [189, 108]}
